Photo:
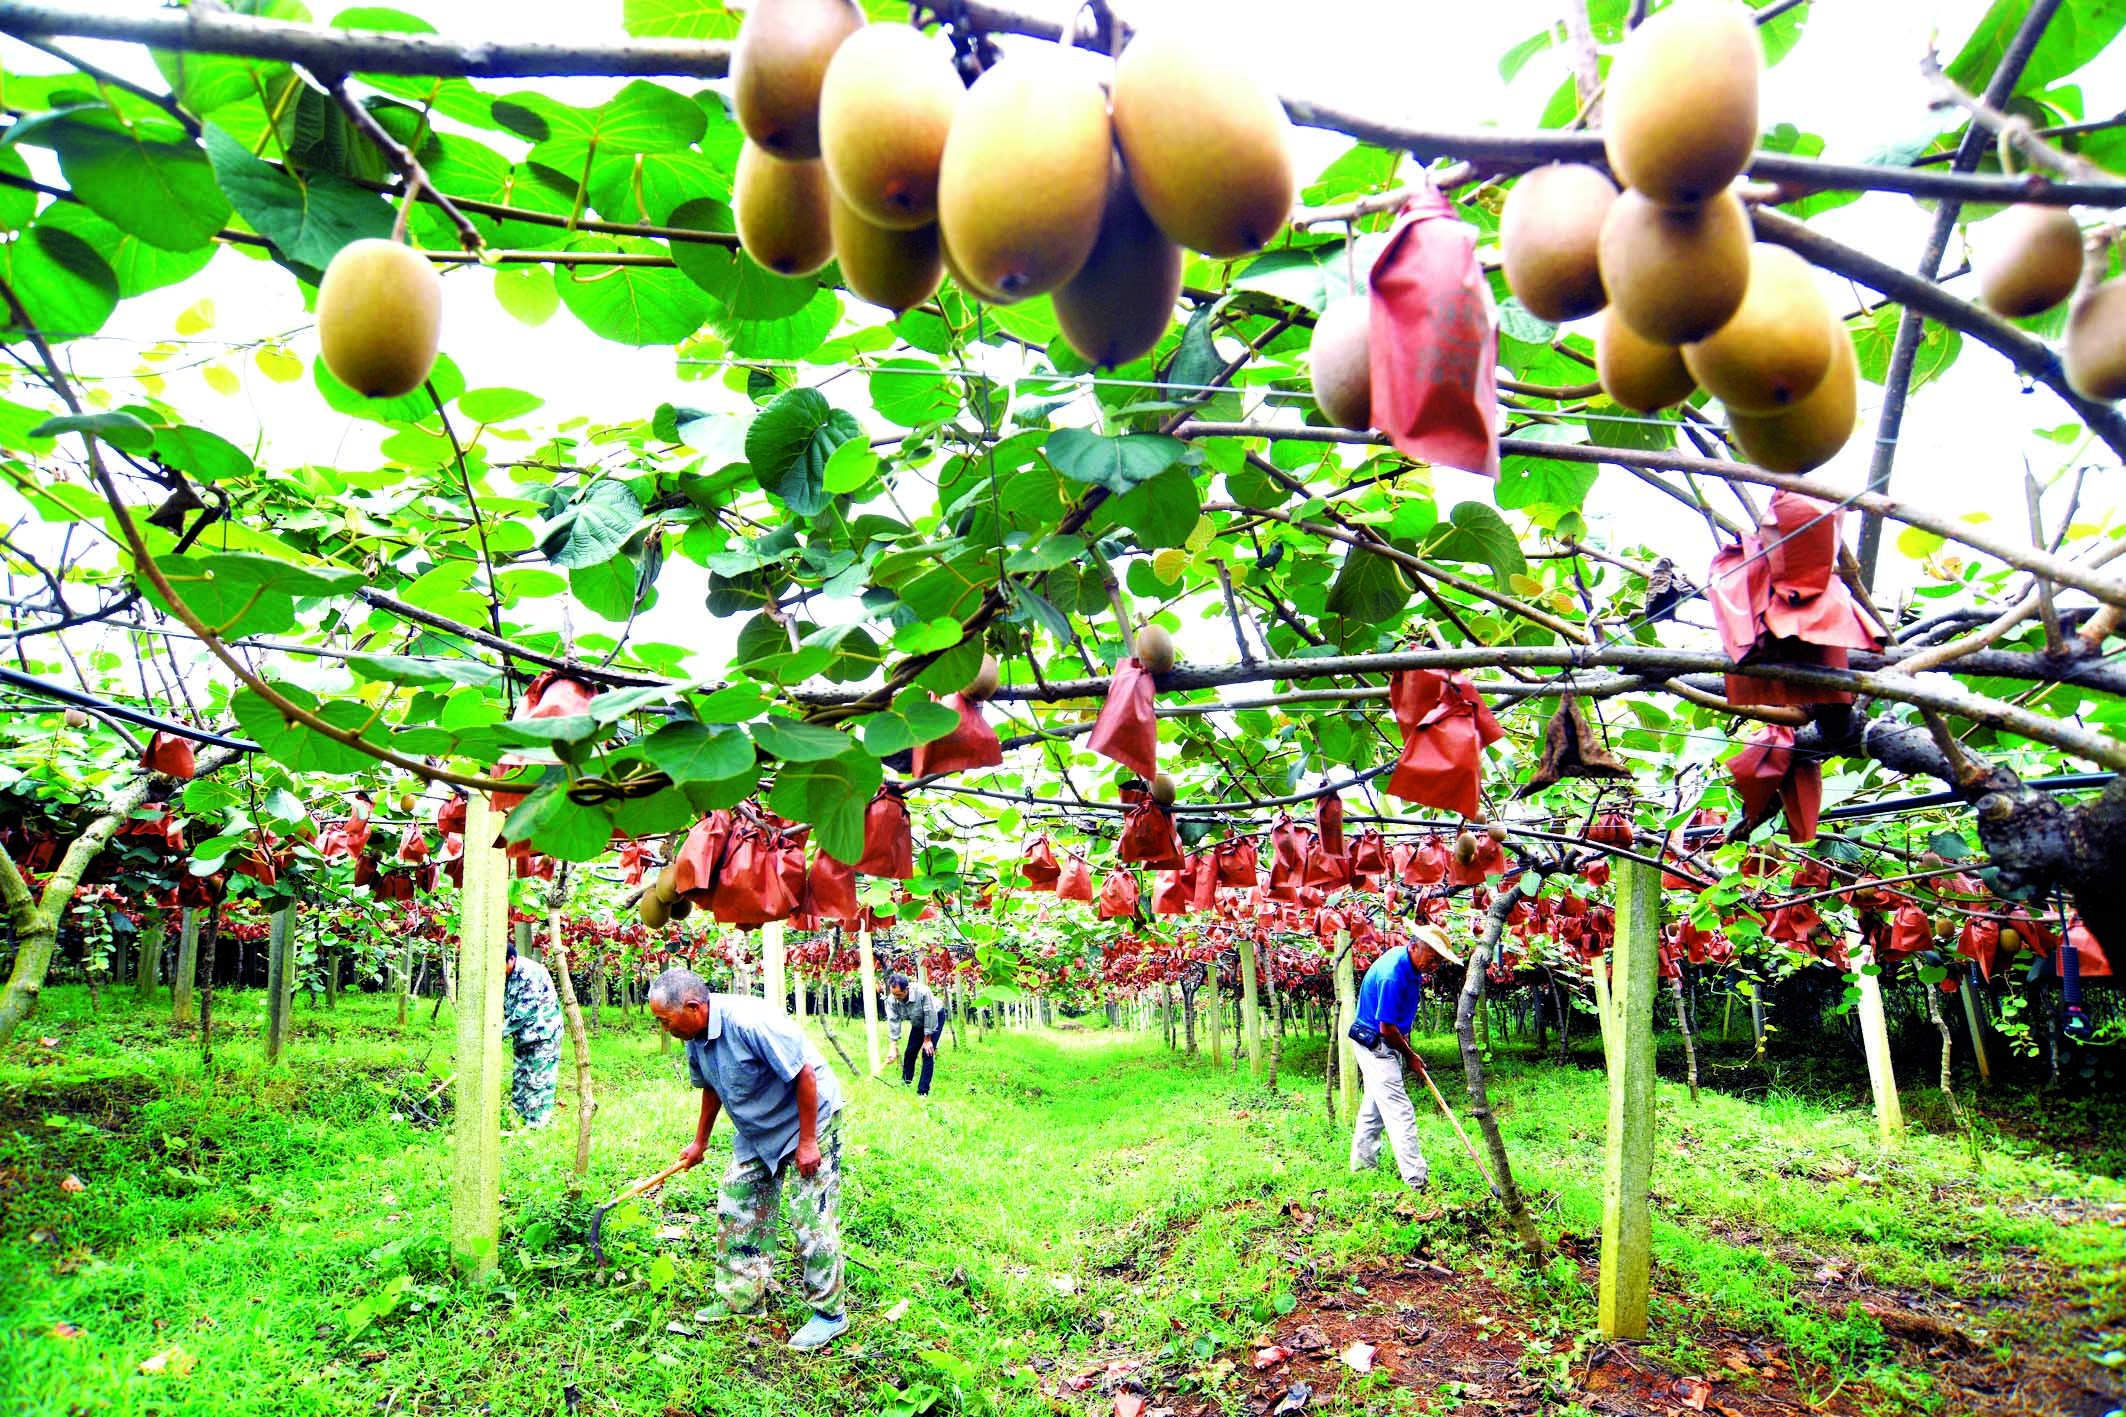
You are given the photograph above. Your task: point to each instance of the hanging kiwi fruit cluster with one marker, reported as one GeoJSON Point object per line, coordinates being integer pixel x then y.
{"type": "Point", "coordinates": [863, 146]}
{"type": "Point", "coordinates": [1687, 300]}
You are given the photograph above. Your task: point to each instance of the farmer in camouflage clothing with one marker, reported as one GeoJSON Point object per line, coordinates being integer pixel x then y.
{"type": "Point", "coordinates": [531, 1021]}
{"type": "Point", "coordinates": [750, 1061]}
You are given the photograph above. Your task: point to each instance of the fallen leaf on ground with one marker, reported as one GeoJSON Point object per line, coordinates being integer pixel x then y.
{"type": "Point", "coordinates": [1359, 1357]}
{"type": "Point", "coordinates": [1307, 1338]}
{"type": "Point", "coordinates": [1691, 1392]}
{"type": "Point", "coordinates": [1295, 1397]}
{"type": "Point", "coordinates": [49, 1042]}
{"type": "Point", "coordinates": [898, 1312]}
{"type": "Point", "coordinates": [43, 1235]}
{"type": "Point", "coordinates": [73, 1185]}
{"type": "Point", "coordinates": [1270, 1357]}
{"type": "Point", "coordinates": [63, 1329]}
{"type": "Point", "coordinates": [1064, 1284]}
{"type": "Point", "coordinates": [171, 1360]}
{"type": "Point", "coordinates": [1128, 1404]}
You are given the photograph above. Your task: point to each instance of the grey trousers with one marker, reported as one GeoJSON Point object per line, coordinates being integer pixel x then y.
{"type": "Point", "coordinates": [1387, 1109]}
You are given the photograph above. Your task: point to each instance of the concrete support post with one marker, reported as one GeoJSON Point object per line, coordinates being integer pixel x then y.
{"type": "Point", "coordinates": [1628, 1036]}
{"type": "Point", "coordinates": [476, 1166]}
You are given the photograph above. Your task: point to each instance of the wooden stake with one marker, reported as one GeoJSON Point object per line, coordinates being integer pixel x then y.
{"type": "Point", "coordinates": [280, 980]}
{"type": "Point", "coordinates": [476, 1165]}
{"type": "Point", "coordinates": [771, 967]}
{"type": "Point", "coordinates": [1978, 1029]}
{"type": "Point", "coordinates": [1346, 1050]}
{"type": "Point", "coordinates": [1251, 1008]}
{"type": "Point", "coordinates": [181, 983]}
{"type": "Point", "coordinates": [1627, 1238]}
{"type": "Point", "coordinates": [572, 1017]}
{"type": "Point", "coordinates": [1875, 1041]}
{"type": "Point", "coordinates": [863, 952]}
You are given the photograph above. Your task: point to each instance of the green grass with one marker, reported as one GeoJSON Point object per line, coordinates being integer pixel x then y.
{"type": "Point", "coordinates": [1063, 1197]}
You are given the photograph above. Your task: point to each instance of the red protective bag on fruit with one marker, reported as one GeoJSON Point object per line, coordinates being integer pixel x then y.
{"type": "Point", "coordinates": [1127, 730]}
{"type": "Point", "coordinates": [1490, 860]}
{"type": "Point", "coordinates": [556, 694]}
{"type": "Point", "coordinates": [1202, 872]}
{"type": "Point", "coordinates": [830, 890]}
{"type": "Point", "coordinates": [1980, 942]}
{"type": "Point", "coordinates": [763, 875]}
{"type": "Point", "coordinates": [1612, 829]}
{"type": "Point", "coordinates": [1076, 880]}
{"type": "Point", "coordinates": [634, 862]}
{"type": "Point", "coordinates": [1149, 839]}
{"type": "Point", "coordinates": [1236, 861]}
{"type": "Point", "coordinates": [1794, 924]}
{"type": "Point", "coordinates": [1289, 845]}
{"type": "Point", "coordinates": [170, 755]}
{"type": "Point", "coordinates": [889, 842]}
{"type": "Point", "coordinates": [1770, 774]}
{"type": "Point", "coordinates": [1369, 854]}
{"type": "Point", "coordinates": [1910, 932]}
{"type": "Point", "coordinates": [1445, 728]}
{"type": "Point", "coordinates": [1596, 872]}
{"type": "Point", "coordinates": [971, 745]}
{"type": "Point", "coordinates": [2089, 954]}
{"type": "Point", "coordinates": [1329, 821]}
{"type": "Point", "coordinates": [1777, 599]}
{"type": "Point", "coordinates": [1435, 340]}
{"type": "Point", "coordinates": [1326, 871]}
{"type": "Point", "coordinates": [450, 817]}
{"type": "Point", "coordinates": [1173, 892]}
{"type": "Point", "coordinates": [1040, 866]}
{"type": "Point", "coordinates": [1428, 863]}
{"type": "Point", "coordinates": [413, 846]}
{"type": "Point", "coordinates": [700, 856]}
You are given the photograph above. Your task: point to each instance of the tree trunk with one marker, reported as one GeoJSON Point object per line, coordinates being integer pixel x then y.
{"type": "Point", "coordinates": [1690, 1047]}
{"type": "Point", "coordinates": [572, 1016]}
{"type": "Point", "coordinates": [1269, 982]}
{"type": "Point", "coordinates": [208, 945]}
{"type": "Point", "coordinates": [1948, 1051]}
{"type": "Point", "coordinates": [185, 977]}
{"type": "Point", "coordinates": [1473, 1071]}
{"type": "Point", "coordinates": [280, 981]}
{"type": "Point", "coordinates": [147, 961]}
{"type": "Point", "coordinates": [406, 979]}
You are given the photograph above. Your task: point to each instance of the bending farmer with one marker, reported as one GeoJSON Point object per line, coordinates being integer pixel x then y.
{"type": "Point", "coordinates": [749, 1060]}
{"type": "Point", "coordinates": [913, 1001]}
{"type": "Point", "coordinates": [1380, 1037]}
{"type": "Point", "coordinates": [531, 1021]}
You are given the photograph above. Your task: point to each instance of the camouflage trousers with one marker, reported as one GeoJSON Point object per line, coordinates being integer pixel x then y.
{"type": "Point", "coordinates": [746, 1212]}
{"type": "Point", "coordinates": [531, 1083]}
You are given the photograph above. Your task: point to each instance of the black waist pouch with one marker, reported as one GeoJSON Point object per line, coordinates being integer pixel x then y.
{"type": "Point", "coordinates": [1364, 1034]}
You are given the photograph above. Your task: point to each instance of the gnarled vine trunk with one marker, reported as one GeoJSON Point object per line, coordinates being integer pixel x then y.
{"type": "Point", "coordinates": [1473, 1070]}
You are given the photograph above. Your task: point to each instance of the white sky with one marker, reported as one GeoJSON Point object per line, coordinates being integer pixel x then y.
{"type": "Point", "coordinates": [1432, 63]}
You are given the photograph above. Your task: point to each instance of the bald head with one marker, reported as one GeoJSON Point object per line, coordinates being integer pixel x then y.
{"type": "Point", "coordinates": [680, 1001]}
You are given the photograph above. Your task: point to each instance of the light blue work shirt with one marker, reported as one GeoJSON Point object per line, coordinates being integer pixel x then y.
{"type": "Point", "coordinates": [1391, 992]}
{"type": "Point", "coordinates": [749, 1056]}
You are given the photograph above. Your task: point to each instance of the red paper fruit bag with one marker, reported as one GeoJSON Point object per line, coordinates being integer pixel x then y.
{"type": "Point", "coordinates": [1435, 340]}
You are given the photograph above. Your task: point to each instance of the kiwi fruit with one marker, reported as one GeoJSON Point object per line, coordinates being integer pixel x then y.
{"type": "Point", "coordinates": [1155, 650]}
{"type": "Point", "coordinates": [666, 886]}
{"type": "Point", "coordinates": [2095, 350]}
{"type": "Point", "coordinates": [785, 220]}
{"type": "Point", "coordinates": [652, 911]}
{"type": "Point", "coordinates": [1497, 833]}
{"type": "Point", "coordinates": [1548, 234]}
{"type": "Point", "coordinates": [680, 909]}
{"type": "Point", "coordinates": [884, 110]}
{"type": "Point", "coordinates": [1680, 108]}
{"type": "Point", "coordinates": [959, 274]}
{"type": "Point", "coordinates": [984, 684]}
{"type": "Point", "coordinates": [1777, 347]}
{"type": "Point", "coordinates": [1024, 179]}
{"type": "Point", "coordinates": [379, 317]}
{"type": "Point", "coordinates": [2027, 260]}
{"type": "Point", "coordinates": [1209, 147]}
{"type": "Point", "coordinates": [1675, 274]}
{"type": "Point", "coordinates": [1809, 434]}
{"type": "Point", "coordinates": [407, 801]}
{"type": "Point", "coordinates": [1341, 356]}
{"type": "Point", "coordinates": [1120, 303]}
{"type": "Point", "coordinates": [1164, 790]}
{"type": "Point", "coordinates": [75, 718]}
{"type": "Point", "coordinates": [898, 270]}
{"type": "Point", "coordinates": [1638, 373]}
{"type": "Point", "coordinates": [778, 66]}
{"type": "Point", "coordinates": [1465, 847]}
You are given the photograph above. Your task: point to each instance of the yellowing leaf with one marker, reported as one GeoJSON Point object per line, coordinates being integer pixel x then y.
{"type": "Point", "coordinates": [197, 317]}
{"type": "Point", "coordinates": [222, 379]}
{"type": "Point", "coordinates": [1917, 543]}
{"type": "Point", "coordinates": [174, 1361]}
{"type": "Point", "coordinates": [278, 364]}
{"type": "Point", "coordinates": [1526, 585]}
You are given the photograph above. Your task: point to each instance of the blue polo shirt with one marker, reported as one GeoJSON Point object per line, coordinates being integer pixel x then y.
{"type": "Point", "coordinates": [749, 1056]}
{"type": "Point", "coordinates": [1391, 992]}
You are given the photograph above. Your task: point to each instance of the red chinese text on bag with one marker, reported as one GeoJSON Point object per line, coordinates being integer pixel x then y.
{"type": "Point", "coordinates": [889, 842]}
{"type": "Point", "coordinates": [1770, 770]}
{"type": "Point", "coordinates": [1445, 728]}
{"type": "Point", "coordinates": [1127, 730]}
{"type": "Point", "coordinates": [973, 744]}
{"type": "Point", "coordinates": [1434, 340]}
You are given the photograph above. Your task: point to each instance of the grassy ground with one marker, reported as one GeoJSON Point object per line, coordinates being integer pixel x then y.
{"type": "Point", "coordinates": [1072, 1211]}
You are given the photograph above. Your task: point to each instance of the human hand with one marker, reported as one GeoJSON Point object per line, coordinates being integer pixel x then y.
{"type": "Point", "coordinates": [808, 1159]}
{"type": "Point", "coordinates": [690, 1156]}
{"type": "Point", "coordinates": [930, 1050]}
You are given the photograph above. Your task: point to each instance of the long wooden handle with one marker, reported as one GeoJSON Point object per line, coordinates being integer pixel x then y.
{"type": "Point", "coordinates": [1455, 1123]}
{"type": "Point", "coordinates": [649, 1183]}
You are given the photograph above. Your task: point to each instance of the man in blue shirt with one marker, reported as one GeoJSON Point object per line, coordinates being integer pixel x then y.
{"type": "Point", "coordinates": [750, 1061]}
{"type": "Point", "coordinates": [1387, 1008]}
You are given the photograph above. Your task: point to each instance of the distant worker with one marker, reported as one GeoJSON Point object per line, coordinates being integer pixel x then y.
{"type": "Point", "coordinates": [1380, 1035]}
{"type": "Point", "coordinates": [749, 1059]}
{"type": "Point", "coordinates": [913, 1001]}
{"type": "Point", "coordinates": [531, 1021]}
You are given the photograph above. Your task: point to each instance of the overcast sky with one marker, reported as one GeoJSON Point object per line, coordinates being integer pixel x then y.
{"type": "Point", "coordinates": [1854, 79]}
